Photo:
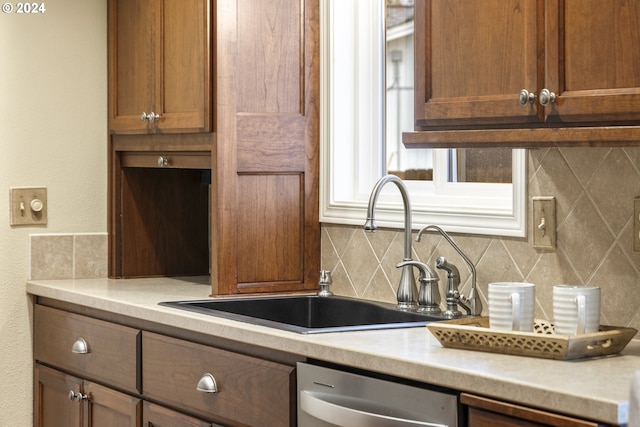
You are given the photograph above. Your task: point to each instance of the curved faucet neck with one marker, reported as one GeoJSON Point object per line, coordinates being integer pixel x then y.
{"type": "Point", "coordinates": [370, 224]}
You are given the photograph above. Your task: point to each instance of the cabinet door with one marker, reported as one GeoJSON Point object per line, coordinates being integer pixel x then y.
{"type": "Point", "coordinates": [593, 60]}
{"type": "Point", "coordinates": [158, 416]}
{"type": "Point", "coordinates": [134, 51]}
{"type": "Point", "coordinates": [485, 412]}
{"type": "Point", "coordinates": [52, 407]}
{"type": "Point", "coordinates": [107, 407]}
{"type": "Point", "coordinates": [183, 89]}
{"type": "Point", "coordinates": [472, 60]}
{"type": "Point", "coordinates": [159, 62]}
{"type": "Point", "coordinates": [266, 221]}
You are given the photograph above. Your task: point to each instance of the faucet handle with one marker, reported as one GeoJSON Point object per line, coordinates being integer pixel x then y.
{"type": "Point", "coordinates": [429, 294]}
{"type": "Point", "coordinates": [427, 275]}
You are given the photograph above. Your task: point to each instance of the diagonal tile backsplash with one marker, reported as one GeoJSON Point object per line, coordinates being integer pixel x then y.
{"type": "Point", "coordinates": [594, 190]}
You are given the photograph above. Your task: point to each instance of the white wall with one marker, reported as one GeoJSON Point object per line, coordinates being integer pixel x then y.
{"type": "Point", "coordinates": [53, 130]}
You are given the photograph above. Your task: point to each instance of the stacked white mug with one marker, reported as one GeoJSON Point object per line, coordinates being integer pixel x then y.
{"type": "Point", "coordinates": [576, 309]}
{"type": "Point", "coordinates": [511, 306]}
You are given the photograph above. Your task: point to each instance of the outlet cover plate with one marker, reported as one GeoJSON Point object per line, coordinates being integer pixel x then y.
{"type": "Point", "coordinates": [544, 223]}
{"type": "Point", "coordinates": [22, 212]}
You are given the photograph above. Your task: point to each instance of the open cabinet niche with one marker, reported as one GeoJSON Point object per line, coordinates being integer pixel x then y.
{"type": "Point", "coordinates": [163, 222]}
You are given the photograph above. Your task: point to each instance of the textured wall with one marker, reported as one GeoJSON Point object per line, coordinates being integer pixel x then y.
{"type": "Point", "coordinates": [594, 190]}
{"type": "Point", "coordinates": [53, 112]}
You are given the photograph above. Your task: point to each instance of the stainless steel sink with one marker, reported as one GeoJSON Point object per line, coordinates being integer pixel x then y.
{"type": "Point", "coordinates": [308, 314]}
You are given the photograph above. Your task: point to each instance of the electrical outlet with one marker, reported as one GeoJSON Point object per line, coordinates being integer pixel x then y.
{"type": "Point", "coordinates": [28, 206]}
{"type": "Point", "coordinates": [636, 224]}
{"type": "Point", "coordinates": [544, 223]}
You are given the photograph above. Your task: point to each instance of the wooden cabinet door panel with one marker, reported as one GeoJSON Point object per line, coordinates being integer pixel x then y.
{"type": "Point", "coordinates": [52, 407]}
{"type": "Point", "coordinates": [183, 94]}
{"type": "Point", "coordinates": [158, 416]}
{"type": "Point", "coordinates": [133, 53]}
{"type": "Point", "coordinates": [486, 412]}
{"type": "Point", "coordinates": [251, 392]}
{"type": "Point", "coordinates": [108, 408]}
{"type": "Point", "coordinates": [267, 131]}
{"type": "Point", "coordinates": [472, 60]}
{"type": "Point", "coordinates": [160, 62]}
{"type": "Point", "coordinates": [593, 60]}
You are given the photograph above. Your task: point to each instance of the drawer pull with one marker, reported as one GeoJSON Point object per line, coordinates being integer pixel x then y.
{"type": "Point", "coordinates": [80, 346]}
{"type": "Point", "coordinates": [207, 384]}
{"type": "Point", "coordinates": [77, 396]}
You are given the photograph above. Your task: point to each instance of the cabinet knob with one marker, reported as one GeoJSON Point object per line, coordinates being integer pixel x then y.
{"type": "Point", "coordinates": [80, 346]}
{"type": "Point", "coordinates": [163, 161]}
{"type": "Point", "coordinates": [546, 97]}
{"type": "Point", "coordinates": [77, 396]}
{"type": "Point", "coordinates": [152, 117]}
{"type": "Point", "coordinates": [207, 384]}
{"type": "Point", "coordinates": [525, 97]}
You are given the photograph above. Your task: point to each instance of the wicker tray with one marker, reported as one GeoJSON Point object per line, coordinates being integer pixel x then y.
{"type": "Point", "coordinates": [474, 334]}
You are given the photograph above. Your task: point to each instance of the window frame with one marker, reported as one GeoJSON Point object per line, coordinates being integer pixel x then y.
{"type": "Point", "coordinates": [349, 124]}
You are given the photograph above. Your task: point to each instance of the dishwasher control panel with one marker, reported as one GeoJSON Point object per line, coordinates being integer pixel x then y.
{"type": "Point", "coordinates": [332, 397]}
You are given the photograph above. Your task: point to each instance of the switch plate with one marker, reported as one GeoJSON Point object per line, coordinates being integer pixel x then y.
{"type": "Point", "coordinates": [636, 224]}
{"type": "Point", "coordinates": [544, 223]}
{"type": "Point", "coordinates": [28, 205]}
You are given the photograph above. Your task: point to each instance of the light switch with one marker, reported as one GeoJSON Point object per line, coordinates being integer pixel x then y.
{"type": "Point", "coordinates": [28, 205]}
{"type": "Point", "coordinates": [544, 223]}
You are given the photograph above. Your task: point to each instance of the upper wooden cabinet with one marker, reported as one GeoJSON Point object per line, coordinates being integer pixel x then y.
{"type": "Point", "coordinates": [159, 66]}
{"type": "Point", "coordinates": [526, 72]}
{"type": "Point", "coordinates": [265, 212]}
{"type": "Point", "coordinates": [240, 203]}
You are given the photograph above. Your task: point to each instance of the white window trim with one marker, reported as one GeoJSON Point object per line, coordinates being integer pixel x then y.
{"type": "Point", "coordinates": [350, 124]}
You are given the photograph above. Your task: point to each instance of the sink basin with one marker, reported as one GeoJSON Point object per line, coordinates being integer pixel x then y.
{"type": "Point", "coordinates": [308, 314]}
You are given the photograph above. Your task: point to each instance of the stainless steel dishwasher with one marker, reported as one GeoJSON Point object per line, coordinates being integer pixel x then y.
{"type": "Point", "coordinates": [332, 397]}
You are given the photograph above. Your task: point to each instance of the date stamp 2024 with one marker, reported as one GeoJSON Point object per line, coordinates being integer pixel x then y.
{"type": "Point", "coordinates": [24, 8]}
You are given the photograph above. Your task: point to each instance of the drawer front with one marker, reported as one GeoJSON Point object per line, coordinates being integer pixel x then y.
{"type": "Point", "coordinates": [250, 391]}
{"type": "Point", "coordinates": [111, 350]}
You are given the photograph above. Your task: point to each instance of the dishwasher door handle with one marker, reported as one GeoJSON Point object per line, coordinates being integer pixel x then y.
{"type": "Point", "coordinates": [317, 405]}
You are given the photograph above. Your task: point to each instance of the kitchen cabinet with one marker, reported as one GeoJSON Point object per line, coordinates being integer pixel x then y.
{"type": "Point", "coordinates": [94, 372]}
{"type": "Point", "coordinates": [90, 377]}
{"type": "Point", "coordinates": [160, 66]}
{"type": "Point", "coordinates": [93, 405]}
{"type": "Point", "coordinates": [526, 72]}
{"type": "Point", "coordinates": [485, 412]}
{"type": "Point", "coordinates": [240, 203]}
{"type": "Point", "coordinates": [217, 384]}
{"type": "Point", "coordinates": [266, 208]}
{"type": "Point", "coordinates": [158, 416]}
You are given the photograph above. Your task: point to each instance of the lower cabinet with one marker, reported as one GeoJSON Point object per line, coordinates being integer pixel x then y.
{"type": "Point", "coordinates": [158, 416]}
{"type": "Point", "coordinates": [228, 387]}
{"type": "Point", "coordinates": [67, 401]}
{"type": "Point", "coordinates": [90, 372]}
{"type": "Point", "coordinates": [485, 412]}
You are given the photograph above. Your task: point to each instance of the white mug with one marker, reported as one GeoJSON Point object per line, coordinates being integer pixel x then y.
{"type": "Point", "coordinates": [576, 309]}
{"type": "Point", "coordinates": [511, 306]}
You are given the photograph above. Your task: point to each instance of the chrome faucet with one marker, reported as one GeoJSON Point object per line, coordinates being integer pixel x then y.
{"type": "Point", "coordinates": [406, 294]}
{"type": "Point", "coordinates": [471, 304]}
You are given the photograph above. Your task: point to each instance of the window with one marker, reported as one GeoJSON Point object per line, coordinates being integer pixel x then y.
{"type": "Point", "coordinates": [353, 141]}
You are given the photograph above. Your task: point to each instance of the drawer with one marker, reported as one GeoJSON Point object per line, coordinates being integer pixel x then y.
{"type": "Point", "coordinates": [112, 350]}
{"type": "Point", "coordinates": [250, 391]}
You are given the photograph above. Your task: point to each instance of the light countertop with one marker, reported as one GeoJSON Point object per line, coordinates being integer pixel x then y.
{"type": "Point", "coordinates": [596, 389]}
